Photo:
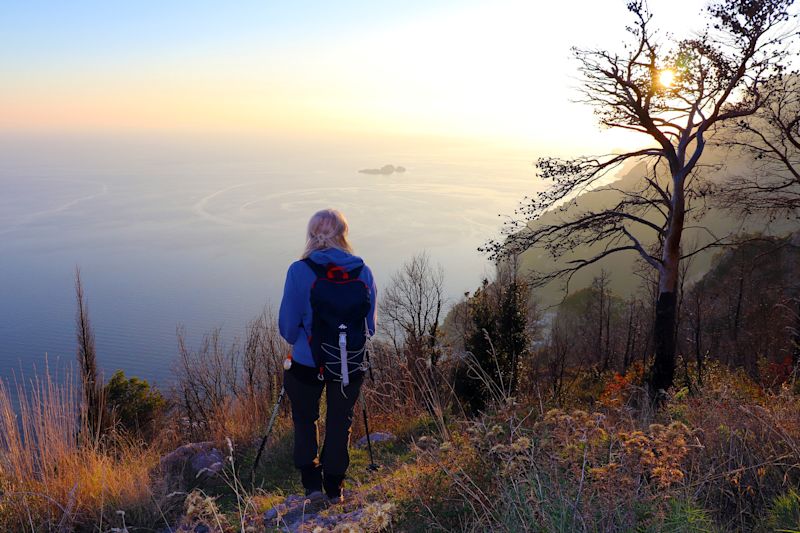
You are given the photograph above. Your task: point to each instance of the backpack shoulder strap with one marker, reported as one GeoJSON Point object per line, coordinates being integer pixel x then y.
{"type": "Point", "coordinates": [356, 272]}
{"type": "Point", "coordinates": [318, 269]}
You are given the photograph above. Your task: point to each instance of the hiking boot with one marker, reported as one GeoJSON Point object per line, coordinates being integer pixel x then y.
{"type": "Point", "coordinates": [314, 495]}
{"type": "Point", "coordinates": [333, 487]}
{"type": "Point", "coordinates": [335, 500]}
{"type": "Point", "coordinates": [311, 477]}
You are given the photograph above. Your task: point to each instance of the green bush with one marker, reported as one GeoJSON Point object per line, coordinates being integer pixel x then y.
{"type": "Point", "coordinates": [498, 341]}
{"type": "Point", "coordinates": [784, 513]}
{"type": "Point", "coordinates": [685, 517]}
{"type": "Point", "coordinates": [133, 405]}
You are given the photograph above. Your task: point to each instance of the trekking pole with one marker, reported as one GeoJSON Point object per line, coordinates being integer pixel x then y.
{"type": "Point", "coordinates": [266, 435]}
{"type": "Point", "coordinates": [372, 466]}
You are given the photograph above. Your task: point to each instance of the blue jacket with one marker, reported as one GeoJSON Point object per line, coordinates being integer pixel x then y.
{"type": "Point", "coordinates": [294, 318]}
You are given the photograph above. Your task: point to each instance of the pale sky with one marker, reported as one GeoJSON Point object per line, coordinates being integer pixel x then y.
{"type": "Point", "coordinates": [498, 71]}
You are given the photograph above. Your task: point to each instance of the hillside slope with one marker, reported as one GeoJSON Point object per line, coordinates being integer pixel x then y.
{"type": "Point", "coordinates": [702, 222]}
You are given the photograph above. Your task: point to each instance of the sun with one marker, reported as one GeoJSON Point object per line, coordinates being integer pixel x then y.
{"type": "Point", "coordinates": [666, 77]}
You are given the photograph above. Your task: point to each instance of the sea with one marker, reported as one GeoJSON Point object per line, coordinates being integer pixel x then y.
{"type": "Point", "coordinates": [172, 231]}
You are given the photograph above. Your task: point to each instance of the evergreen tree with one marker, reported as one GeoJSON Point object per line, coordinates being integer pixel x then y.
{"type": "Point", "coordinates": [498, 341]}
{"type": "Point", "coordinates": [512, 340]}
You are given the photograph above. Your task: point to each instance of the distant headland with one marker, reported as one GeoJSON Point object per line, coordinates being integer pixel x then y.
{"type": "Point", "coordinates": [385, 170]}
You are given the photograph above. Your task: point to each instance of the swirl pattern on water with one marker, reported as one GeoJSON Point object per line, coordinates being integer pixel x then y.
{"type": "Point", "coordinates": [447, 213]}
{"type": "Point", "coordinates": [209, 247]}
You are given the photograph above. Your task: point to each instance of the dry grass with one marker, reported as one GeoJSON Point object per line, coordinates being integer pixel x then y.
{"type": "Point", "coordinates": [747, 452]}
{"type": "Point", "coordinates": [53, 480]}
{"type": "Point", "coordinates": [241, 419]}
{"type": "Point", "coordinates": [726, 458]}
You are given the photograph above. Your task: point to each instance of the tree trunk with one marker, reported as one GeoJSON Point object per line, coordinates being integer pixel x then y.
{"type": "Point", "coordinates": [663, 369]}
{"type": "Point", "coordinates": [626, 357]}
{"type": "Point", "coordinates": [607, 361]}
{"type": "Point", "coordinates": [698, 339]}
{"type": "Point", "coordinates": [796, 335]}
{"type": "Point", "coordinates": [737, 319]}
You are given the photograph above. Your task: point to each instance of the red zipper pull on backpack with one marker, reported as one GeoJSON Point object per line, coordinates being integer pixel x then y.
{"type": "Point", "coordinates": [335, 271]}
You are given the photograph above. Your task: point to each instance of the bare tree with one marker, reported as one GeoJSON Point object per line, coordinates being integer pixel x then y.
{"type": "Point", "coordinates": [636, 319]}
{"type": "Point", "coordinates": [214, 381]}
{"type": "Point", "coordinates": [206, 377]}
{"type": "Point", "coordinates": [674, 94]}
{"type": "Point", "coordinates": [741, 310]}
{"type": "Point", "coordinates": [696, 317]}
{"type": "Point", "coordinates": [262, 358]}
{"type": "Point", "coordinates": [600, 285]}
{"type": "Point", "coordinates": [412, 306]}
{"type": "Point", "coordinates": [556, 355]}
{"type": "Point", "coordinates": [772, 138]}
{"type": "Point", "coordinates": [794, 330]}
{"type": "Point", "coordinates": [91, 382]}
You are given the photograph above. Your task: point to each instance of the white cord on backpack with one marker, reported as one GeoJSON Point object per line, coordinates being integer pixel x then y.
{"type": "Point", "coordinates": [343, 356]}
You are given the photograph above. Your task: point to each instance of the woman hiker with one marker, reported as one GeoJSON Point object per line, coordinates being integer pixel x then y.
{"type": "Point", "coordinates": [327, 314]}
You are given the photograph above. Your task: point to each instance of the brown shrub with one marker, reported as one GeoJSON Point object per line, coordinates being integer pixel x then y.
{"type": "Point", "coordinates": [746, 448]}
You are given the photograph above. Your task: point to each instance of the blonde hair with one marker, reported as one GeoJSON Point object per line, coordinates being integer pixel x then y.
{"type": "Point", "coordinates": [327, 229]}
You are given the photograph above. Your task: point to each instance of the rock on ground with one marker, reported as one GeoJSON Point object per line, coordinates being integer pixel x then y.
{"type": "Point", "coordinates": [299, 514]}
{"type": "Point", "coordinates": [378, 436]}
{"type": "Point", "coordinates": [194, 458]}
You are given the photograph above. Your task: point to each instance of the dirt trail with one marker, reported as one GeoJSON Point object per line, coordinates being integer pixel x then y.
{"type": "Point", "coordinates": [300, 514]}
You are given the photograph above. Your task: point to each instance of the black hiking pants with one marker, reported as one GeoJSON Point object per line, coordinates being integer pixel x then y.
{"type": "Point", "coordinates": [304, 391]}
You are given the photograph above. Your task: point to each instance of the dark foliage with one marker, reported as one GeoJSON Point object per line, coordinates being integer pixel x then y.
{"type": "Point", "coordinates": [719, 77]}
{"type": "Point", "coordinates": [133, 405]}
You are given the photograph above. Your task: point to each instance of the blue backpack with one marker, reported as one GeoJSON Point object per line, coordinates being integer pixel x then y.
{"type": "Point", "coordinates": [340, 303]}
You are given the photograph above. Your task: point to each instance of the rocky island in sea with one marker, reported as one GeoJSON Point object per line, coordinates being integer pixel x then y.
{"type": "Point", "coordinates": [385, 170]}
